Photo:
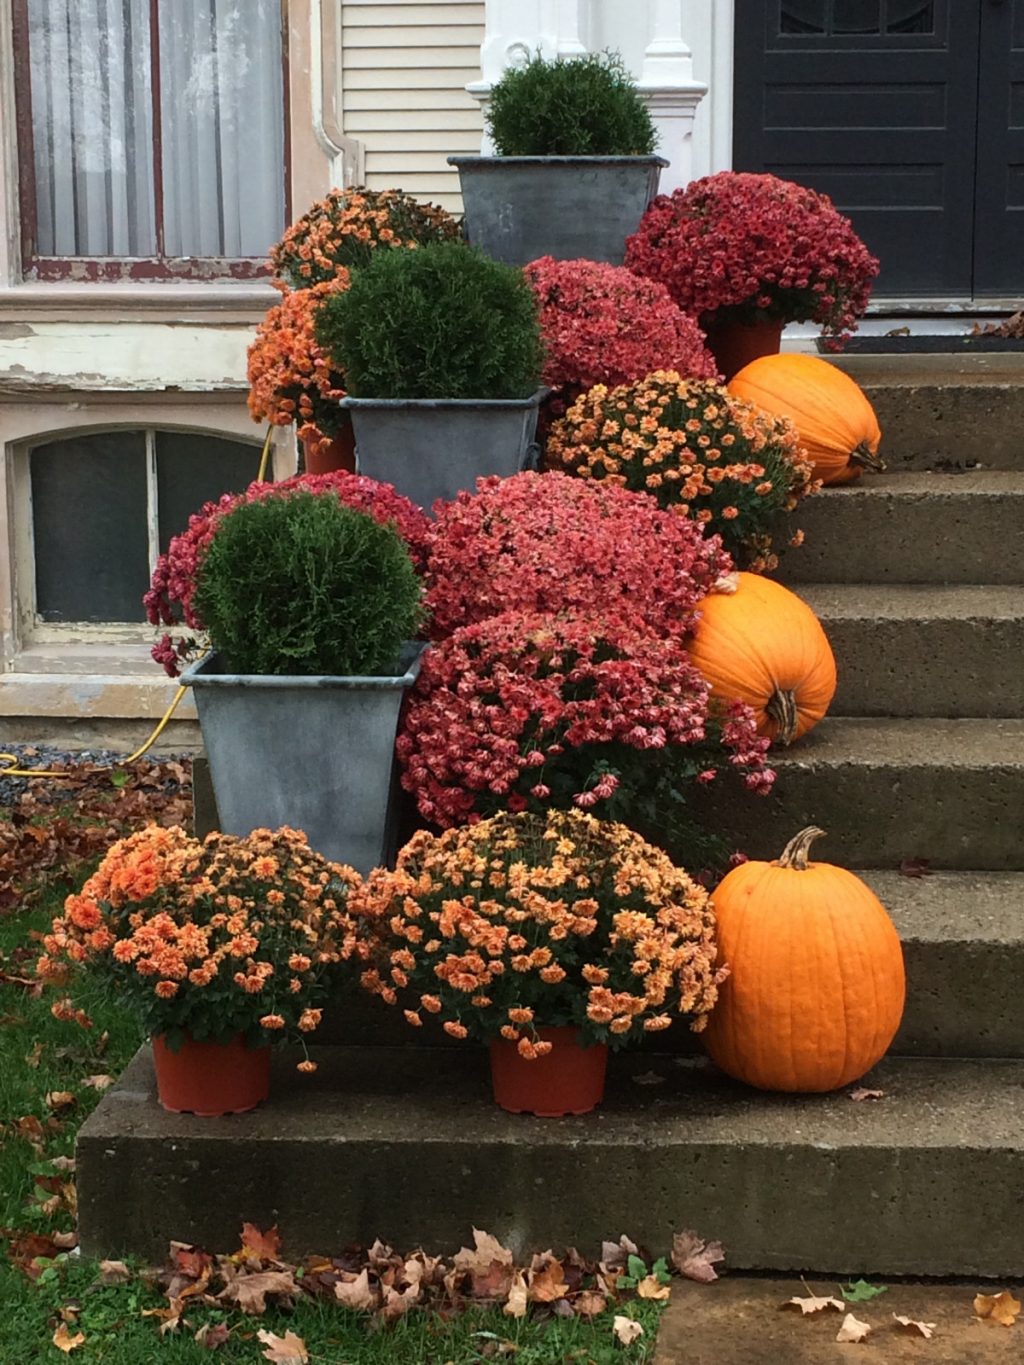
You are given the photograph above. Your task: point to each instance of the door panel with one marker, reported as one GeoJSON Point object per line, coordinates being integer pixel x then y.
{"type": "Point", "coordinates": [873, 102]}
{"type": "Point", "coordinates": [999, 203]}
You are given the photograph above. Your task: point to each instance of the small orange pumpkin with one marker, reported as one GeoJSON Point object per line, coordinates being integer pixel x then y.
{"type": "Point", "coordinates": [816, 985]}
{"type": "Point", "coordinates": [837, 425]}
{"type": "Point", "coordinates": [758, 642]}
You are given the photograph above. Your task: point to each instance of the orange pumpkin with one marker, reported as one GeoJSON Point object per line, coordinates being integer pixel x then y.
{"type": "Point", "coordinates": [758, 642]}
{"type": "Point", "coordinates": [816, 985]}
{"type": "Point", "coordinates": [837, 425]}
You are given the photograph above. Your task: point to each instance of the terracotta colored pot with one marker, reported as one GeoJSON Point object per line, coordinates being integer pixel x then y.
{"type": "Point", "coordinates": [322, 455]}
{"type": "Point", "coordinates": [569, 1080]}
{"type": "Point", "coordinates": [210, 1079]}
{"type": "Point", "coordinates": [735, 344]}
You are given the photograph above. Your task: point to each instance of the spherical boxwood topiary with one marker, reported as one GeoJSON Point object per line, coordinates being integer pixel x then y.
{"type": "Point", "coordinates": [304, 585]}
{"type": "Point", "coordinates": [579, 106]}
{"type": "Point", "coordinates": [443, 321]}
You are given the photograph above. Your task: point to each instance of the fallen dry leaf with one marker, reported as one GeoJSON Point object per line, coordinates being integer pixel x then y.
{"type": "Point", "coordinates": [860, 1094]}
{"type": "Point", "coordinates": [286, 1350]}
{"type": "Point", "coordinates": [250, 1292]}
{"type": "Point", "coordinates": [915, 867]}
{"type": "Point", "coordinates": [357, 1293]}
{"type": "Point", "coordinates": [695, 1258]}
{"type": "Point", "coordinates": [518, 1297]}
{"type": "Point", "coordinates": [650, 1287]}
{"type": "Point", "coordinates": [812, 1303]}
{"type": "Point", "coordinates": [114, 1272]}
{"type": "Point", "coordinates": [398, 1302]}
{"type": "Point", "coordinates": [60, 1099]}
{"type": "Point", "coordinates": [64, 1341]}
{"type": "Point", "coordinates": [648, 1078]}
{"type": "Point", "coordinates": [212, 1334]}
{"type": "Point", "coordinates": [589, 1303]}
{"type": "Point", "coordinates": [260, 1246]}
{"type": "Point", "coordinates": [548, 1283]}
{"type": "Point", "coordinates": [99, 1083]}
{"type": "Point", "coordinates": [926, 1329]}
{"type": "Point", "coordinates": [1002, 1308]}
{"type": "Point", "coordinates": [853, 1329]}
{"type": "Point", "coordinates": [626, 1330]}
{"type": "Point", "coordinates": [479, 1257]}
{"type": "Point", "coordinates": [614, 1255]}
{"type": "Point", "coordinates": [35, 1056]}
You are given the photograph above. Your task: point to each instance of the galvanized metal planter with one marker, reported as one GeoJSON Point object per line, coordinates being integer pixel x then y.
{"type": "Point", "coordinates": [520, 207]}
{"type": "Point", "coordinates": [314, 753]}
{"type": "Point", "coordinates": [433, 448]}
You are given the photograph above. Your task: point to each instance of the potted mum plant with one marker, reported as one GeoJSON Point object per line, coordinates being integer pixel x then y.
{"type": "Point", "coordinates": [575, 937]}
{"type": "Point", "coordinates": [312, 608]}
{"type": "Point", "coordinates": [746, 253]}
{"type": "Point", "coordinates": [442, 356]}
{"type": "Point", "coordinates": [170, 600]}
{"type": "Point", "coordinates": [221, 948]}
{"type": "Point", "coordinates": [575, 164]}
{"type": "Point", "coordinates": [696, 448]}
{"type": "Point", "coordinates": [291, 381]}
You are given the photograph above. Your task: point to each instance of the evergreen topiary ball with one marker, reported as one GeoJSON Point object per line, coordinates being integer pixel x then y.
{"type": "Point", "coordinates": [303, 585]}
{"type": "Point", "coordinates": [441, 321]}
{"type": "Point", "coordinates": [576, 106]}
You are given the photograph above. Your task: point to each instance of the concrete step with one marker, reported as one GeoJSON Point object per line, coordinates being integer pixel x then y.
{"type": "Point", "coordinates": [920, 650]}
{"type": "Point", "coordinates": [913, 528]}
{"type": "Point", "coordinates": [406, 1144]}
{"type": "Point", "coordinates": [963, 944]}
{"type": "Point", "coordinates": [936, 410]}
{"type": "Point", "coordinates": [951, 791]}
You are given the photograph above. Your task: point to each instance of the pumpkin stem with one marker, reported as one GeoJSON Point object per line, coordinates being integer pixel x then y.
{"type": "Point", "coordinates": [866, 456]}
{"type": "Point", "coordinates": [781, 709]}
{"type": "Point", "coordinates": [795, 853]}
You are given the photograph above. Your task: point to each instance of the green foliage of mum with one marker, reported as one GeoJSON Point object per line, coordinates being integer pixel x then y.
{"type": "Point", "coordinates": [441, 321]}
{"type": "Point", "coordinates": [303, 585]}
{"type": "Point", "coordinates": [577, 106]}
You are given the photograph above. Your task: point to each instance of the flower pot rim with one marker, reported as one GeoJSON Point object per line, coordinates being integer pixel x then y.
{"type": "Point", "coordinates": [207, 672]}
{"type": "Point", "coordinates": [455, 404]}
{"type": "Point", "coordinates": [481, 162]}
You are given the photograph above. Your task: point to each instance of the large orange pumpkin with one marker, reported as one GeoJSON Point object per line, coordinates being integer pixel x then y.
{"type": "Point", "coordinates": [837, 425]}
{"type": "Point", "coordinates": [758, 642]}
{"type": "Point", "coordinates": [816, 987]}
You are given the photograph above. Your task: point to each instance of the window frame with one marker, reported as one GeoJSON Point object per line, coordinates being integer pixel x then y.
{"type": "Point", "coordinates": [106, 269]}
{"type": "Point", "coordinates": [32, 630]}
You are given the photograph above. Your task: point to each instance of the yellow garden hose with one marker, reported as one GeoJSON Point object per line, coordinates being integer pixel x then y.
{"type": "Point", "coordinates": [11, 760]}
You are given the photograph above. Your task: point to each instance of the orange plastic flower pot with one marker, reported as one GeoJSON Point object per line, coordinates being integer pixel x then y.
{"type": "Point", "coordinates": [321, 455]}
{"type": "Point", "coordinates": [568, 1080]}
{"type": "Point", "coordinates": [736, 344]}
{"type": "Point", "coordinates": [210, 1079]}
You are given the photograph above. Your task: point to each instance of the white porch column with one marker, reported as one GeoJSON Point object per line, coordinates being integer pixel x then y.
{"type": "Point", "coordinates": [517, 29]}
{"type": "Point", "coordinates": [667, 83]}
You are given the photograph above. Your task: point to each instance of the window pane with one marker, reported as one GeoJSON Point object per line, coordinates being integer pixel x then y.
{"type": "Point", "coordinates": [802, 16]}
{"type": "Point", "coordinates": [89, 525]}
{"type": "Point", "coordinates": [194, 469]}
{"type": "Point", "coordinates": [92, 127]}
{"type": "Point", "coordinates": [856, 16]}
{"type": "Point", "coordinates": [222, 107]}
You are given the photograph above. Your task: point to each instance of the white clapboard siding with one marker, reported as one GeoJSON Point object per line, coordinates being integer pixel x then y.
{"type": "Point", "coordinates": [405, 66]}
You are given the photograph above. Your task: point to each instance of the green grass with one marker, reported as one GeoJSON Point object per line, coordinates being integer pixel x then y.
{"type": "Point", "coordinates": [111, 1318]}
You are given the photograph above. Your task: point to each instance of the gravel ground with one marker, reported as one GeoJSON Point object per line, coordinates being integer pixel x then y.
{"type": "Point", "coordinates": [47, 756]}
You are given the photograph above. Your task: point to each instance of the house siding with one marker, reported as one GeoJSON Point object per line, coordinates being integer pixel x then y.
{"type": "Point", "coordinates": [405, 67]}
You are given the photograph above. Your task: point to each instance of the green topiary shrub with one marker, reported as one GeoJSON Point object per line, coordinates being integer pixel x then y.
{"type": "Point", "coordinates": [442, 321]}
{"type": "Point", "coordinates": [303, 585]}
{"type": "Point", "coordinates": [576, 106]}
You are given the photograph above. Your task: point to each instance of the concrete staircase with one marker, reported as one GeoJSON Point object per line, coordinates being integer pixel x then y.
{"type": "Point", "coordinates": [918, 576]}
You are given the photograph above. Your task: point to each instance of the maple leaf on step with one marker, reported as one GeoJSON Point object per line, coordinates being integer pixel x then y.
{"type": "Point", "coordinates": [548, 1283]}
{"type": "Point", "coordinates": [357, 1293]}
{"type": "Point", "coordinates": [650, 1287]}
{"type": "Point", "coordinates": [859, 1291]}
{"type": "Point", "coordinates": [626, 1330]}
{"type": "Point", "coordinates": [260, 1246]}
{"type": "Point", "coordinates": [915, 867]}
{"type": "Point", "coordinates": [812, 1303]}
{"type": "Point", "coordinates": [860, 1093]}
{"type": "Point", "coordinates": [853, 1329]}
{"type": "Point", "coordinates": [1002, 1308]}
{"type": "Point", "coordinates": [485, 1250]}
{"type": "Point", "coordinates": [695, 1258]}
{"type": "Point", "coordinates": [286, 1350]}
{"type": "Point", "coordinates": [924, 1329]}
{"type": "Point", "coordinates": [518, 1298]}
{"type": "Point", "coordinates": [64, 1341]}
{"type": "Point", "coordinates": [250, 1292]}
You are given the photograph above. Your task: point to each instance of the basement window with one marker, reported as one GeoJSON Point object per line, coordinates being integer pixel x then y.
{"type": "Point", "coordinates": [105, 505]}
